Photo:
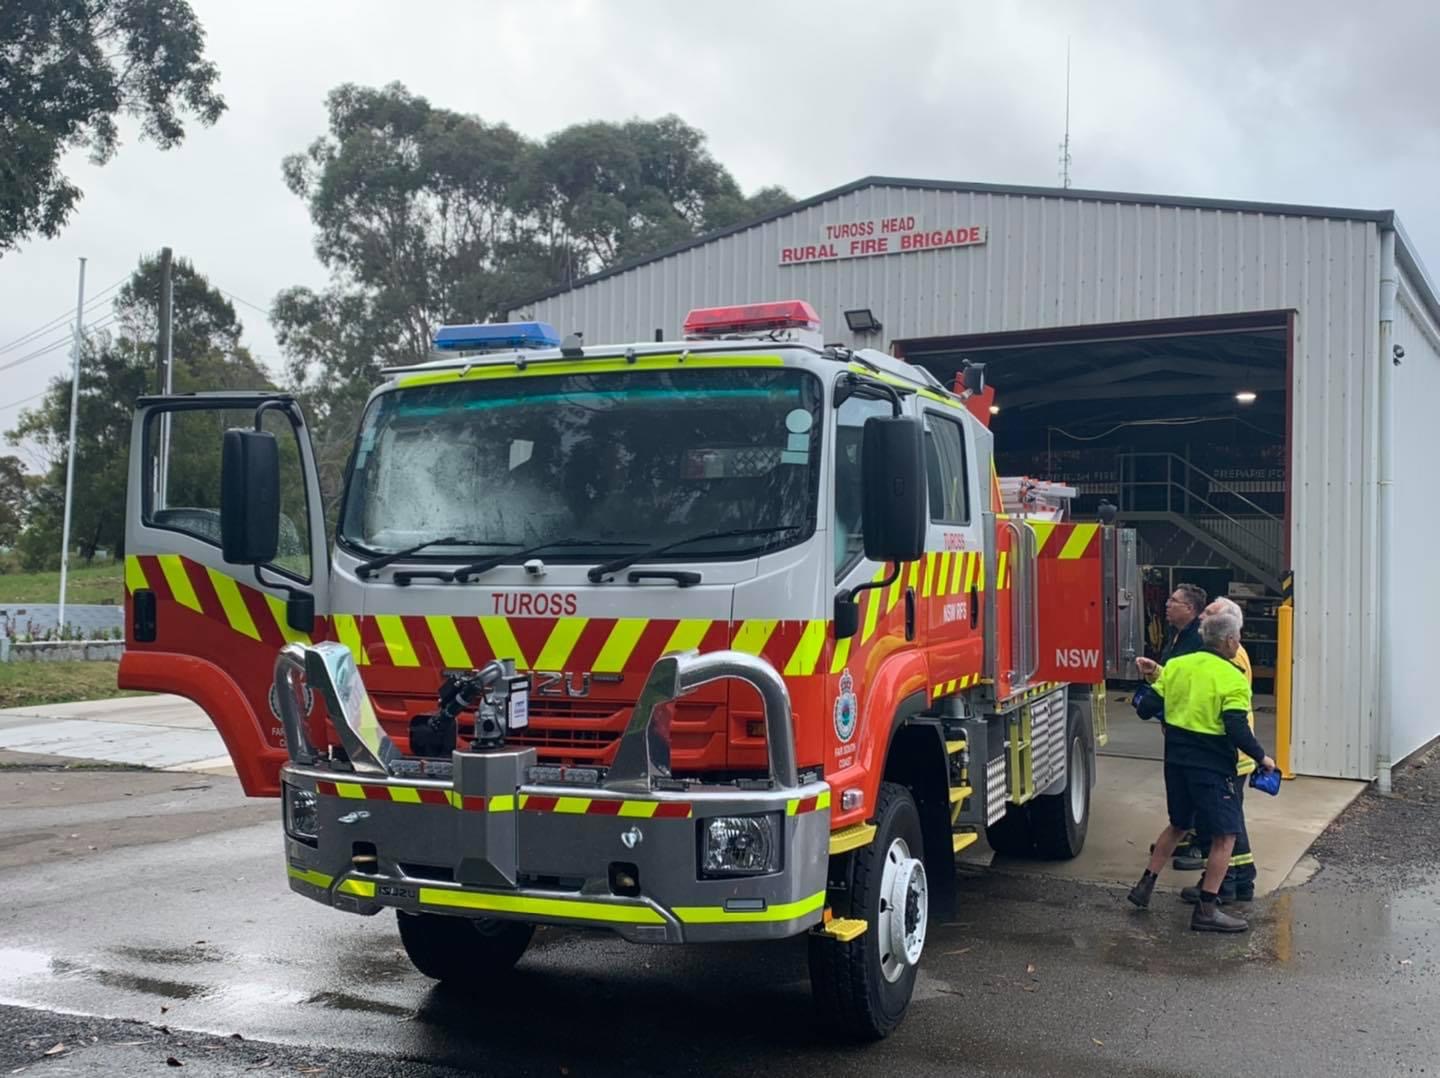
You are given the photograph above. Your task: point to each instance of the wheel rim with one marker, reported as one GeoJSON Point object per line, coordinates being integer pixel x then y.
{"type": "Point", "coordinates": [904, 911]}
{"type": "Point", "coordinates": [1079, 780]}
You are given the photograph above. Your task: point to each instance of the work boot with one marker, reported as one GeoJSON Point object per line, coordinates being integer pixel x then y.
{"type": "Point", "coordinates": [1208, 917]}
{"type": "Point", "coordinates": [1188, 859]}
{"type": "Point", "coordinates": [1141, 892]}
{"type": "Point", "coordinates": [1227, 895]}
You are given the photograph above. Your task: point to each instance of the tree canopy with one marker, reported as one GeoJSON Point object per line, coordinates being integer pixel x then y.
{"type": "Point", "coordinates": [68, 70]}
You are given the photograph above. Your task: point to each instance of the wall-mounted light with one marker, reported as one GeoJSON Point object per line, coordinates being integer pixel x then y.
{"type": "Point", "coordinates": [1246, 396]}
{"type": "Point", "coordinates": [994, 409]}
{"type": "Point", "coordinates": [862, 320]}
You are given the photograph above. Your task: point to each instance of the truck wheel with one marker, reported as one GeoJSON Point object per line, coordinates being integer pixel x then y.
{"type": "Point", "coordinates": [1058, 823]}
{"type": "Point", "coordinates": [1011, 834]}
{"type": "Point", "coordinates": [462, 949]}
{"type": "Point", "coordinates": [863, 987]}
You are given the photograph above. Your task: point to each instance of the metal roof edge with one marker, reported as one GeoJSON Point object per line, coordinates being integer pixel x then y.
{"type": "Point", "coordinates": [1384, 218]}
{"type": "Point", "coordinates": [1414, 269]}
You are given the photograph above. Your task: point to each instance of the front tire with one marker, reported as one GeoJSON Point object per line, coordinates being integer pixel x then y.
{"type": "Point", "coordinates": [462, 950]}
{"type": "Point", "coordinates": [864, 987]}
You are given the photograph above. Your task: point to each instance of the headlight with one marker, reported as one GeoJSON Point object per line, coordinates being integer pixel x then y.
{"type": "Point", "coordinates": [739, 845]}
{"type": "Point", "coordinates": [301, 815]}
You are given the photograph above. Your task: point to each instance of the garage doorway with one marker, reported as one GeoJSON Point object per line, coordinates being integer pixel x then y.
{"type": "Point", "coordinates": [1182, 424]}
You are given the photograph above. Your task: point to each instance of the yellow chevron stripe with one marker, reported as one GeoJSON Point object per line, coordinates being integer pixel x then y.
{"type": "Point", "coordinates": [501, 638]}
{"type": "Point", "coordinates": [958, 572]}
{"type": "Point", "coordinates": [620, 644]}
{"type": "Point", "coordinates": [134, 574]}
{"type": "Point", "coordinates": [1043, 530]}
{"type": "Point", "coordinates": [277, 611]}
{"type": "Point", "coordinates": [641, 809]}
{"type": "Point", "coordinates": [406, 795]}
{"type": "Point", "coordinates": [1078, 541]}
{"type": "Point", "coordinates": [397, 640]}
{"type": "Point", "coordinates": [501, 803]}
{"type": "Point", "coordinates": [348, 633]}
{"type": "Point", "coordinates": [574, 806]}
{"type": "Point", "coordinates": [938, 692]}
{"type": "Point", "coordinates": [971, 560]}
{"type": "Point", "coordinates": [915, 575]}
{"type": "Point", "coordinates": [807, 651]}
{"type": "Point", "coordinates": [352, 790]}
{"type": "Point", "coordinates": [871, 599]}
{"type": "Point", "coordinates": [688, 634]}
{"type": "Point", "coordinates": [1000, 569]}
{"type": "Point", "coordinates": [896, 588]}
{"type": "Point", "coordinates": [362, 888]}
{"type": "Point", "coordinates": [753, 635]}
{"type": "Point", "coordinates": [929, 576]}
{"type": "Point", "coordinates": [944, 586]}
{"type": "Point", "coordinates": [560, 643]}
{"type": "Point", "coordinates": [236, 612]}
{"type": "Point", "coordinates": [179, 581]}
{"type": "Point", "coordinates": [453, 652]}
{"type": "Point", "coordinates": [841, 655]}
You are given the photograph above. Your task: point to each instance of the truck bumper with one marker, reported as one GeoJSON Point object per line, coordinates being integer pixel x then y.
{"type": "Point", "coordinates": [486, 845]}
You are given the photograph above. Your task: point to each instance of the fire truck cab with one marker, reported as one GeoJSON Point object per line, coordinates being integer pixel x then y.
{"type": "Point", "coordinates": [719, 639]}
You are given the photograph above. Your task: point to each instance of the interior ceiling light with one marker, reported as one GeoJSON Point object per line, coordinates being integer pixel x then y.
{"type": "Point", "coordinates": [1246, 396]}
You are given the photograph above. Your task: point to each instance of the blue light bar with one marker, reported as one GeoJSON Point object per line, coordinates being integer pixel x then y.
{"type": "Point", "coordinates": [497, 337]}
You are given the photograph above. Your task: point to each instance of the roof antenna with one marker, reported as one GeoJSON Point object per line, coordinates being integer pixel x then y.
{"type": "Point", "coordinates": [1065, 146]}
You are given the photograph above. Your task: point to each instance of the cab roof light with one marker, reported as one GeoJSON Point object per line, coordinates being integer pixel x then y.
{"type": "Point", "coordinates": [496, 337]}
{"type": "Point", "coordinates": [751, 318]}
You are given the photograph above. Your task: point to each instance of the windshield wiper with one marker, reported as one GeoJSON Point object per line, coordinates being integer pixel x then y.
{"type": "Point", "coordinates": [367, 569]}
{"type": "Point", "coordinates": [599, 573]}
{"type": "Point", "coordinates": [484, 565]}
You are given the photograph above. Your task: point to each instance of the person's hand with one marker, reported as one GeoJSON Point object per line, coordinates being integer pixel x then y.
{"type": "Point", "coordinates": [1268, 764]}
{"type": "Point", "coordinates": [1149, 668]}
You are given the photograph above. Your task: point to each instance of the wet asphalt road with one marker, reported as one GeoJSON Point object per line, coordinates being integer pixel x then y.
{"type": "Point", "coordinates": [145, 917]}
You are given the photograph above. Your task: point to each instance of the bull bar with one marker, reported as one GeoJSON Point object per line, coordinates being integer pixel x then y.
{"type": "Point", "coordinates": [623, 854]}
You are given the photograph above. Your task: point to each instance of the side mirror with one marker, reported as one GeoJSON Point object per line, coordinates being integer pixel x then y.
{"type": "Point", "coordinates": [893, 513]}
{"type": "Point", "coordinates": [972, 377]}
{"type": "Point", "coordinates": [249, 497]}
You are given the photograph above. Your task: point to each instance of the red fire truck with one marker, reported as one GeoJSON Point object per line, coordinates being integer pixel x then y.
{"type": "Point", "coordinates": [726, 638]}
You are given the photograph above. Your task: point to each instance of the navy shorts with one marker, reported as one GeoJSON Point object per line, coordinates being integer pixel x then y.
{"type": "Point", "coordinates": [1203, 800]}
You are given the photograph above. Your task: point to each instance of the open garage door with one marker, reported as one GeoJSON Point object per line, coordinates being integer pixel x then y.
{"type": "Point", "coordinates": [1182, 424]}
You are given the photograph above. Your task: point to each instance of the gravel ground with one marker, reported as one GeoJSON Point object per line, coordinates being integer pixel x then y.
{"type": "Point", "coordinates": [1400, 832]}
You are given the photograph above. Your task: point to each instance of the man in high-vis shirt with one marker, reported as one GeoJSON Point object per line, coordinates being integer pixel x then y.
{"type": "Point", "coordinates": [1239, 885]}
{"type": "Point", "coordinates": [1207, 704]}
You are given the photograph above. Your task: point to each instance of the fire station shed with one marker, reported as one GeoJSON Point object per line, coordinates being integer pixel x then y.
{"type": "Point", "coordinates": [1254, 385]}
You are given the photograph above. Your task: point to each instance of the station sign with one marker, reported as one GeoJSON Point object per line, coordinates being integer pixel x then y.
{"type": "Point", "coordinates": [903, 234]}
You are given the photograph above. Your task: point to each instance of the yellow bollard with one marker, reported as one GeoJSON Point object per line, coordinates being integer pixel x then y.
{"type": "Point", "coordinates": [1284, 658]}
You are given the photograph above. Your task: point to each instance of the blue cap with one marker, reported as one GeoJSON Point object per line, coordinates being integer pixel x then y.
{"type": "Point", "coordinates": [496, 337]}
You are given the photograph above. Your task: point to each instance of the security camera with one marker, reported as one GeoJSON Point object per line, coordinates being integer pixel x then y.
{"type": "Point", "coordinates": [1399, 353]}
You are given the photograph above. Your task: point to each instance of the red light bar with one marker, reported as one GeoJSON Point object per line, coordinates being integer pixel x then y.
{"type": "Point", "coordinates": [748, 318]}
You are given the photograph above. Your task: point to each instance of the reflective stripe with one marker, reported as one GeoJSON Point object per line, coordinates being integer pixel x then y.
{"type": "Point", "coordinates": [619, 645]}
{"type": "Point", "coordinates": [397, 640]}
{"type": "Point", "coordinates": [957, 572]}
{"type": "Point", "coordinates": [179, 580]}
{"type": "Point", "coordinates": [363, 888]}
{"type": "Point", "coordinates": [503, 644]}
{"type": "Point", "coordinates": [1000, 570]}
{"type": "Point", "coordinates": [895, 590]}
{"type": "Point", "coordinates": [714, 915]}
{"type": "Point", "coordinates": [282, 622]}
{"type": "Point", "coordinates": [1043, 530]}
{"type": "Point", "coordinates": [308, 875]}
{"type": "Point", "coordinates": [447, 638]}
{"type": "Point", "coordinates": [1242, 859]}
{"type": "Point", "coordinates": [942, 581]}
{"type": "Point", "coordinates": [348, 633]}
{"type": "Point", "coordinates": [406, 794]}
{"type": "Point", "coordinates": [560, 643]}
{"type": "Point", "coordinates": [134, 574]}
{"type": "Point", "coordinates": [639, 809]}
{"type": "Point", "coordinates": [871, 600]}
{"type": "Point", "coordinates": [971, 560]}
{"type": "Point", "coordinates": [573, 909]}
{"type": "Point", "coordinates": [754, 634]}
{"type": "Point", "coordinates": [541, 368]}
{"type": "Point", "coordinates": [807, 651]}
{"type": "Point", "coordinates": [1078, 541]}
{"type": "Point", "coordinates": [236, 612]}
{"type": "Point", "coordinates": [572, 805]}
{"type": "Point", "coordinates": [352, 790]}
{"type": "Point", "coordinates": [688, 634]}
{"type": "Point", "coordinates": [841, 655]}
{"type": "Point", "coordinates": [929, 575]}
{"type": "Point", "coordinates": [502, 803]}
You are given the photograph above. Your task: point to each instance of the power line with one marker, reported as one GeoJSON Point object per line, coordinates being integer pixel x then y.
{"type": "Point", "coordinates": [241, 299]}
{"type": "Point", "coordinates": [39, 331]}
{"type": "Point", "coordinates": [60, 342]}
{"type": "Point", "coordinates": [24, 400]}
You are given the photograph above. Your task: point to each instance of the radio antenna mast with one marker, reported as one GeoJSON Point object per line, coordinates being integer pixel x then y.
{"type": "Point", "coordinates": [1065, 146]}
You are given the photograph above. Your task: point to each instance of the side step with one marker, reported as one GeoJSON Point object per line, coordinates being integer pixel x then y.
{"type": "Point", "coordinates": [961, 840]}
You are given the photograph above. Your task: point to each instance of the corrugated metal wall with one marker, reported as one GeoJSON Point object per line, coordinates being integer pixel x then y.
{"type": "Point", "coordinates": [1416, 579]}
{"type": "Point", "coordinates": [1052, 261]}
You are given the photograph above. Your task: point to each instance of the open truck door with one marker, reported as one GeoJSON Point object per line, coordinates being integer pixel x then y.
{"type": "Point", "coordinates": [211, 597]}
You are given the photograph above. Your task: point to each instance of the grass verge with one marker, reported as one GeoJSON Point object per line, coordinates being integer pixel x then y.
{"type": "Point", "coordinates": [30, 684]}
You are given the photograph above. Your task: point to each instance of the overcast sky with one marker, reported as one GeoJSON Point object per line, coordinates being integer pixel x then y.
{"type": "Point", "coordinates": [1320, 102]}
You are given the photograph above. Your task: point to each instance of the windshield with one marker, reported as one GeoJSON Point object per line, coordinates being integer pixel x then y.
{"type": "Point", "coordinates": [636, 457]}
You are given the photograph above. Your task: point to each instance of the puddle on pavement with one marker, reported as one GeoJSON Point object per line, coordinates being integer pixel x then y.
{"type": "Point", "coordinates": [343, 1001]}
{"type": "Point", "coordinates": [129, 982]}
{"type": "Point", "coordinates": [1383, 924]}
{"type": "Point", "coordinates": [16, 964]}
{"type": "Point", "coordinates": [192, 955]}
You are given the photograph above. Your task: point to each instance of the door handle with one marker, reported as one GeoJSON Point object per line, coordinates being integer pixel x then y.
{"type": "Point", "coordinates": [909, 613]}
{"type": "Point", "coordinates": [974, 605]}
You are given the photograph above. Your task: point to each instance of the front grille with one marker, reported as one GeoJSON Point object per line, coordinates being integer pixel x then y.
{"type": "Point", "coordinates": [593, 743]}
{"type": "Point", "coordinates": [567, 710]}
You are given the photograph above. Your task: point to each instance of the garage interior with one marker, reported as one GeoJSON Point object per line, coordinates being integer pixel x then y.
{"type": "Point", "coordinates": [1157, 418]}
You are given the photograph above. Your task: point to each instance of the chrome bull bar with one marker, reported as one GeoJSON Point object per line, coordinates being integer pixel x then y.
{"type": "Point", "coordinates": [643, 756]}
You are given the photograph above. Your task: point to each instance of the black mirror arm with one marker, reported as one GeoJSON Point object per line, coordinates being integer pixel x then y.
{"type": "Point", "coordinates": [853, 385]}
{"type": "Point", "coordinates": [849, 596]}
{"type": "Point", "coordinates": [284, 404]}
